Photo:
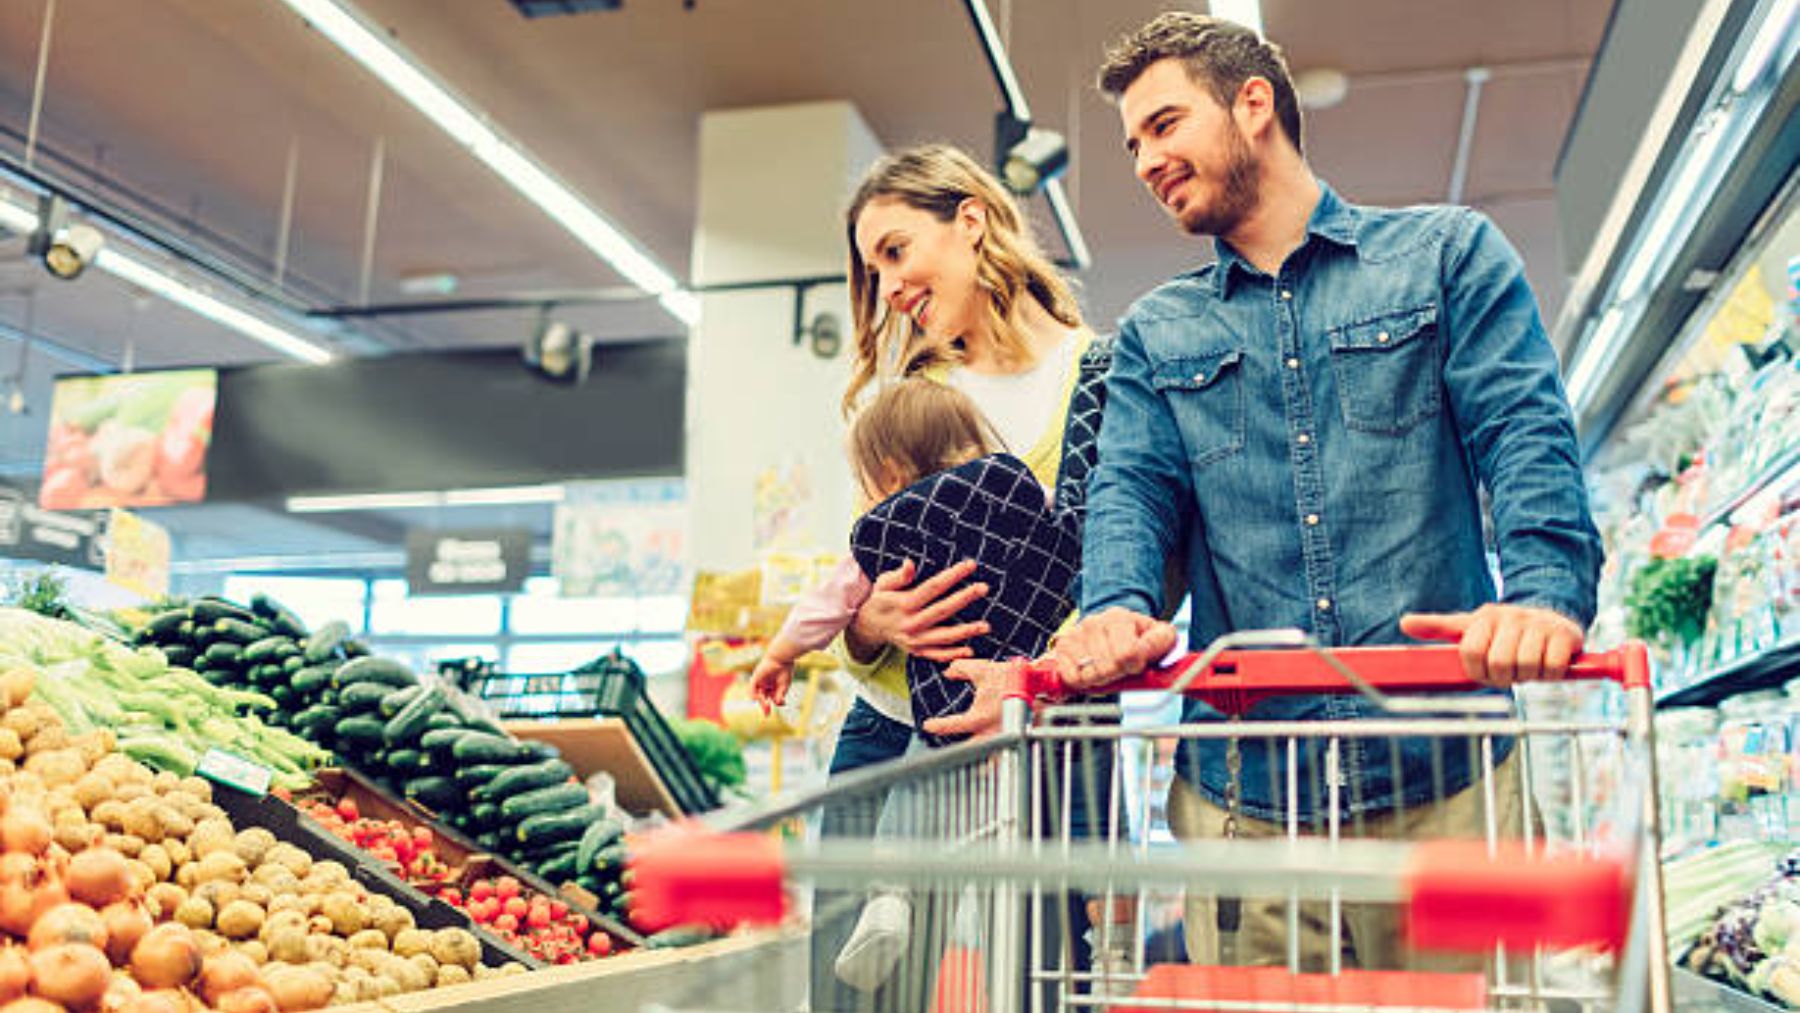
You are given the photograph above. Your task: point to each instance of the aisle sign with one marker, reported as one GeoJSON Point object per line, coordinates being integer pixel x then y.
{"type": "Point", "coordinates": [137, 554]}
{"type": "Point", "coordinates": [468, 561]}
{"type": "Point", "coordinates": [73, 538]}
{"type": "Point", "coordinates": [621, 538]}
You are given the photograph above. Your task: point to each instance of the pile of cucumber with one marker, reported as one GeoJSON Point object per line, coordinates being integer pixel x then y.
{"type": "Point", "coordinates": [416, 737]}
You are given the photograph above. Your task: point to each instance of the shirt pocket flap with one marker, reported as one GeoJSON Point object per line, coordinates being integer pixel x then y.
{"type": "Point", "coordinates": [1390, 330]}
{"type": "Point", "coordinates": [1194, 372]}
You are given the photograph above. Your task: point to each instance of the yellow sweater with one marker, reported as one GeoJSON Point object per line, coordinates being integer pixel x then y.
{"type": "Point", "coordinates": [884, 678]}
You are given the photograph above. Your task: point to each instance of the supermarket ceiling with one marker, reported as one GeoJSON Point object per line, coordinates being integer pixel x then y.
{"type": "Point", "coordinates": [186, 114]}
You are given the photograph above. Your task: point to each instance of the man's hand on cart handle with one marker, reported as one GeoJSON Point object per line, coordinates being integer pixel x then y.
{"type": "Point", "coordinates": [1503, 644]}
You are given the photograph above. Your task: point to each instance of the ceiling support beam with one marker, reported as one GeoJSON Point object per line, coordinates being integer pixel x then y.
{"type": "Point", "coordinates": [1465, 136]}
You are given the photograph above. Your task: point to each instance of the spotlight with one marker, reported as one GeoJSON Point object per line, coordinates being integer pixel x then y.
{"type": "Point", "coordinates": [1029, 156]}
{"type": "Point", "coordinates": [66, 249]}
{"type": "Point", "coordinates": [559, 351]}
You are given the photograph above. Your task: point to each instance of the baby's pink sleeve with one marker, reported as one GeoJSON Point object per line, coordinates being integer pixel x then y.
{"type": "Point", "coordinates": [825, 611]}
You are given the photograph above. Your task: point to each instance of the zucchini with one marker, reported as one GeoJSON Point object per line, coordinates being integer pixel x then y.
{"type": "Point", "coordinates": [396, 701]}
{"type": "Point", "coordinates": [480, 747]}
{"type": "Point", "coordinates": [166, 627]}
{"type": "Point", "coordinates": [325, 641]}
{"type": "Point", "coordinates": [210, 610]}
{"type": "Point", "coordinates": [599, 834]}
{"type": "Point", "coordinates": [434, 792]}
{"type": "Point", "coordinates": [384, 671]}
{"type": "Point", "coordinates": [265, 649]}
{"type": "Point", "coordinates": [361, 731]}
{"type": "Point", "coordinates": [557, 827]}
{"type": "Point", "coordinates": [312, 680]}
{"type": "Point", "coordinates": [408, 723]}
{"type": "Point", "coordinates": [472, 777]}
{"type": "Point", "coordinates": [363, 696]}
{"type": "Point", "coordinates": [525, 777]}
{"type": "Point", "coordinates": [557, 798]}
{"type": "Point", "coordinates": [223, 655]}
{"type": "Point", "coordinates": [238, 632]}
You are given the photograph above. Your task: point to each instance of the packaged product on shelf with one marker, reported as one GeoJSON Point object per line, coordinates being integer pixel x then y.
{"type": "Point", "coordinates": [1753, 767]}
{"type": "Point", "coordinates": [1687, 750]}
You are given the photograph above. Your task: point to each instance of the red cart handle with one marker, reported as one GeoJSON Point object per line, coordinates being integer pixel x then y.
{"type": "Point", "coordinates": [1237, 680]}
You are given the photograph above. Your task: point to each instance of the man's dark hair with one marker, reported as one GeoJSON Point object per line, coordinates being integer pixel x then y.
{"type": "Point", "coordinates": [1219, 55]}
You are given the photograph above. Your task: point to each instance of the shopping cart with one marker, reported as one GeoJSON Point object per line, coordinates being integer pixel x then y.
{"type": "Point", "coordinates": [1030, 883]}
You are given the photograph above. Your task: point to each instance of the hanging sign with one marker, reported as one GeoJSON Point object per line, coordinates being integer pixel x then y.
{"type": "Point", "coordinates": [137, 554]}
{"type": "Point", "coordinates": [471, 561]}
{"type": "Point", "coordinates": [73, 538]}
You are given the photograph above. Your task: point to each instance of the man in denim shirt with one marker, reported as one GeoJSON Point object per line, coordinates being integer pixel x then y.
{"type": "Point", "coordinates": [1309, 420]}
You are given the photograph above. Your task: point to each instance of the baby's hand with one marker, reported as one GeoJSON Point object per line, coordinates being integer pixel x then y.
{"type": "Point", "coordinates": [770, 681]}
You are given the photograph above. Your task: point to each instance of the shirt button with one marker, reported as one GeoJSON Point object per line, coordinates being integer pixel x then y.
{"type": "Point", "coordinates": [1285, 294]}
{"type": "Point", "coordinates": [1293, 363]}
{"type": "Point", "coordinates": [1199, 377]}
{"type": "Point", "coordinates": [1324, 604]}
{"type": "Point", "coordinates": [1382, 338]}
{"type": "Point", "coordinates": [1312, 520]}
{"type": "Point", "coordinates": [1303, 439]}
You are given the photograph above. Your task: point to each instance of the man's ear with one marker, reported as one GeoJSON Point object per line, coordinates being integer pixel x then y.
{"type": "Point", "coordinates": [1254, 110]}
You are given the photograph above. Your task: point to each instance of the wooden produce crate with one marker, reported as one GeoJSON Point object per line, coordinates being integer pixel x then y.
{"type": "Point", "coordinates": [605, 744]}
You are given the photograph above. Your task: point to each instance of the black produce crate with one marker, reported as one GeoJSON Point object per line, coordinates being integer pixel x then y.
{"type": "Point", "coordinates": [570, 695]}
{"type": "Point", "coordinates": [291, 826]}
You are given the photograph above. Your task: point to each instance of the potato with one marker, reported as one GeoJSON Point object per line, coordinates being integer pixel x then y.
{"type": "Point", "coordinates": [11, 746]}
{"type": "Point", "coordinates": [7, 766]}
{"type": "Point", "coordinates": [279, 879]}
{"type": "Point", "coordinates": [216, 892]}
{"type": "Point", "coordinates": [131, 791]}
{"type": "Point", "coordinates": [157, 858]}
{"type": "Point", "coordinates": [453, 974]}
{"type": "Point", "coordinates": [55, 765]}
{"type": "Point", "coordinates": [367, 960]}
{"type": "Point", "coordinates": [179, 852]}
{"type": "Point", "coordinates": [92, 788]}
{"type": "Point", "coordinates": [455, 946]}
{"type": "Point", "coordinates": [386, 987]}
{"type": "Point", "coordinates": [196, 787]}
{"type": "Point", "coordinates": [195, 913]}
{"type": "Point", "coordinates": [319, 925]}
{"type": "Point", "coordinates": [299, 988]}
{"type": "Point", "coordinates": [174, 822]}
{"type": "Point", "coordinates": [291, 858]}
{"type": "Point", "coordinates": [48, 740]}
{"type": "Point", "coordinates": [240, 919]}
{"type": "Point", "coordinates": [426, 965]}
{"type": "Point", "coordinates": [211, 836]}
{"type": "Point", "coordinates": [257, 894]}
{"type": "Point", "coordinates": [346, 915]}
{"type": "Point", "coordinates": [331, 872]}
{"type": "Point", "coordinates": [255, 950]}
{"type": "Point", "coordinates": [393, 920]}
{"type": "Point", "coordinates": [140, 820]}
{"type": "Point", "coordinates": [289, 944]}
{"type": "Point", "coordinates": [141, 875]}
{"type": "Point", "coordinates": [412, 942]}
{"type": "Point", "coordinates": [162, 900]}
{"type": "Point", "coordinates": [369, 939]}
{"type": "Point", "coordinates": [221, 865]}
{"type": "Point", "coordinates": [253, 844]}
{"type": "Point", "coordinates": [165, 781]}
{"type": "Point", "coordinates": [78, 836]}
{"type": "Point", "coordinates": [95, 745]}
{"type": "Point", "coordinates": [211, 942]}
{"type": "Point", "coordinates": [408, 975]}
{"type": "Point", "coordinates": [289, 902]}
{"type": "Point", "coordinates": [129, 845]}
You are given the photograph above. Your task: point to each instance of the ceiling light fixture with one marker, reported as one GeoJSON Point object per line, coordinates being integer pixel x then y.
{"type": "Point", "coordinates": [1245, 12]}
{"type": "Point", "coordinates": [136, 272]}
{"type": "Point", "coordinates": [1771, 37]}
{"type": "Point", "coordinates": [1596, 357]}
{"type": "Point", "coordinates": [408, 78]}
{"type": "Point", "coordinates": [1030, 156]}
{"type": "Point", "coordinates": [518, 495]}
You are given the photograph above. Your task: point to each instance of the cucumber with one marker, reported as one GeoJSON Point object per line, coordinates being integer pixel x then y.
{"type": "Point", "coordinates": [363, 697]}
{"type": "Point", "coordinates": [608, 859]}
{"type": "Point", "coordinates": [444, 721]}
{"type": "Point", "coordinates": [179, 655]}
{"type": "Point", "coordinates": [557, 827]}
{"type": "Point", "coordinates": [540, 750]}
{"type": "Point", "coordinates": [325, 641]}
{"type": "Point", "coordinates": [223, 655]}
{"type": "Point", "coordinates": [385, 671]}
{"type": "Point", "coordinates": [408, 723]}
{"type": "Point", "coordinates": [434, 792]}
{"type": "Point", "coordinates": [599, 834]}
{"type": "Point", "coordinates": [396, 701]}
{"type": "Point", "coordinates": [473, 715]}
{"type": "Point", "coordinates": [558, 869]}
{"type": "Point", "coordinates": [361, 731]}
{"type": "Point", "coordinates": [681, 935]}
{"type": "Point", "coordinates": [557, 798]}
{"type": "Point", "coordinates": [238, 632]}
{"type": "Point", "coordinates": [283, 696]}
{"type": "Point", "coordinates": [265, 649]}
{"type": "Point", "coordinates": [210, 610]}
{"type": "Point", "coordinates": [472, 777]}
{"type": "Point", "coordinates": [292, 664]}
{"type": "Point", "coordinates": [484, 815]}
{"type": "Point", "coordinates": [312, 680]}
{"type": "Point", "coordinates": [404, 761]}
{"type": "Point", "coordinates": [167, 627]}
{"type": "Point", "coordinates": [440, 740]}
{"type": "Point", "coordinates": [262, 675]}
{"type": "Point", "coordinates": [314, 721]}
{"type": "Point", "coordinates": [480, 747]}
{"type": "Point", "coordinates": [272, 612]}
{"type": "Point", "coordinates": [524, 778]}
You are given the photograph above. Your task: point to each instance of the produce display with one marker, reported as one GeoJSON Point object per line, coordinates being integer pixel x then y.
{"type": "Point", "coordinates": [130, 890]}
{"type": "Point", "coordinates": [1753, 942]}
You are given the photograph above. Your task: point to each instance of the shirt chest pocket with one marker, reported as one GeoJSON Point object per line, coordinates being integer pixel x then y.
{"type": "Point", "coordinates": [1389, 370]}
{"type": "Point", "coordinates": [1206, 395]}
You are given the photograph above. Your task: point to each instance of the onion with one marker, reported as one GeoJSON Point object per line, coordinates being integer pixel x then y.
{"type": "Point", "coordinates": [167, 957]}
{"type": "Point", "coordinates": [246, 1000]}
{"type": "Point", "coordinates": [162, 1000]}
{"type": "Point", "coordinates": [21, 903]}
{"type": "Point", "coordinates": [100, 876]}
{"type": "Point", "coordinates": [73, 974]}
{"type": "Point", "coordinates": [299, 988]}
{"type": "Point", "coordinates": [15, 973]}
{"type": "Point", "coordinates": [68, 923]}
{"type": "Point", "coordinates": [226, 971]}
{"type": "Point", "coordinates": [25, 829]}
{"type": "Point", "coordinates": [126, 922]}
{"type": "Point", "coordinates": [120, 989]}
{"type": "Point", "coordinates": [31, 1004]}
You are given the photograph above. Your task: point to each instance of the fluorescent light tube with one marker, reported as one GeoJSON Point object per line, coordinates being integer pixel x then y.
{"type": "Point", "coordinates": [1245, 12]}
{"type": "Point", "coordinates": [501, 496]}
{"type": "Point", "coordinates": [1594, 357]}
{"type": "Point", "coordinates": [414, 83]}
{"type": "Point", "coordinates": [1772, 36]}
{"type": "Point", "coordinates": [144, 276]}
{"type": "Point", "coordinates": [18, 219]}
{"type": "Point", "coordinates": [1675, 202]}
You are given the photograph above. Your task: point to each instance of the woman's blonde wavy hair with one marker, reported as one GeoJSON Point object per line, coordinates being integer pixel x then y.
{"type": "Point", "coordinates": [936, 179]}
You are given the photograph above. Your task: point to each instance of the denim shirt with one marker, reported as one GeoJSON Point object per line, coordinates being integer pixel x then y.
{"type": "Point", "coordinates": [1315, 442]}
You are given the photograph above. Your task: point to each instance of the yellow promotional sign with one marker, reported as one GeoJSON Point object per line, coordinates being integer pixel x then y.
{"type": "Point", "coordinates": [137, 554]}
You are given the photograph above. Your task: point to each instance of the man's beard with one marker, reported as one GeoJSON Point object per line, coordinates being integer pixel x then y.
{"type": "Point", "coordinates": [1239, 191]}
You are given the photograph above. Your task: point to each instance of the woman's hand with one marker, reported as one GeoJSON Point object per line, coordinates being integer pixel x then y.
{"type": "Point", "coordinates": [911, 618]}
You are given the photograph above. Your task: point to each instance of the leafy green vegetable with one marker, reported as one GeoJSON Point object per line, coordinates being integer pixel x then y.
{"type": "Point", "coordinates": [1669, 598]}
{"type": "Point", "coordinates": [717, 753]}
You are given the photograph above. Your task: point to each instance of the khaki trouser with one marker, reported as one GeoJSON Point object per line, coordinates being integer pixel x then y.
{"type": "Point", "coordinates": [1370, 936]}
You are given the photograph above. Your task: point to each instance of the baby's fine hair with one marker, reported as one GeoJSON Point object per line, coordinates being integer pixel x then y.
{"type": "Point", "coordinates": [919, 427]}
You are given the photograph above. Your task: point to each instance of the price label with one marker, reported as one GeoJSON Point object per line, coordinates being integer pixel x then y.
{"type": "Point", "coordinates": [234, 771]}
